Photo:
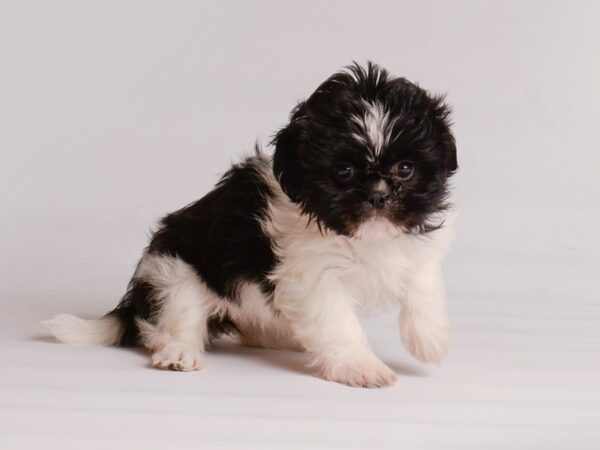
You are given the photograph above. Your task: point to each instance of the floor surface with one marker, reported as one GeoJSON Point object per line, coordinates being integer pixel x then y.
{"type": "Point", "coordinates": [510, 381]}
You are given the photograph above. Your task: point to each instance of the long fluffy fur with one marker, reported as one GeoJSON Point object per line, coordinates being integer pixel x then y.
{"type": "Point", "coordinates": [284, 253]}
{"type": "Point", "coordinates": [76, 331]}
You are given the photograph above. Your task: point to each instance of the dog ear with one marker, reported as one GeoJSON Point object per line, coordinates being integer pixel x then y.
{"type": "Point", "coordinates": [449, 149]}
{"type": "Point", "coordinates": [447, 145]}
{"type": "Point", "coordinates": [287, 160]}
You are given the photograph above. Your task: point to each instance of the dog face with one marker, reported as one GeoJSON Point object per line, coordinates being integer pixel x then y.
{"type": "Point", "coordinates": [364, 146]}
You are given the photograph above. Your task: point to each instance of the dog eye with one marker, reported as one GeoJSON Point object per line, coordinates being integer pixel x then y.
{"type": "Point", "coordinates": [344, 171]}
{"type": "Point", "coordinates": [404, 169]}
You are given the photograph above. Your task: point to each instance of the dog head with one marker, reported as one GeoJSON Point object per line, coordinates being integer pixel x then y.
{"type": "Point", "coordinates": [367, 146]}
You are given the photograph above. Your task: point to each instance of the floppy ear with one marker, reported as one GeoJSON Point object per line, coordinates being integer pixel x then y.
{"type": "Point", "coordinates": [287, 161]}
{"type": "Point", "coordinates": [449, 149]}
{"type": "Point", "coordinates": [442, 113]}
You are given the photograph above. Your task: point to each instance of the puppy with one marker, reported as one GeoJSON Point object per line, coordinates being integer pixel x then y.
{"type": "Point", "coordinates": [349, 213]}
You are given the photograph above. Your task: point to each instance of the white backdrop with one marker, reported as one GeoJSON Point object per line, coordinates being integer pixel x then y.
{"type": "Point", "coordinates": [114, 113]}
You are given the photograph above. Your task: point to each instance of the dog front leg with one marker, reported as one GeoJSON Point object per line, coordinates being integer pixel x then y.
{"type": "Point", "coordinates": [326, 324]}
{"type": "Point", "coordinates": [423, 320]}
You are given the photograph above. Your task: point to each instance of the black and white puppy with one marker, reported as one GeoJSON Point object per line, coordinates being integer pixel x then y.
{"type": "Point", "coordinates": [350, 212]}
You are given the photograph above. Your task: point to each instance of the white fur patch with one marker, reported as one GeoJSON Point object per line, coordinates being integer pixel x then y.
{"type": "Point", "coordinates": [178, 356]}
{"type": "Point", "coordinates": [182, 302]}
{"type": "Point", "coordinates": [376, 125]}
{"type": "Point", "coordinates": [76, 331]}
{"type": "Point", "coordinates": [259, 324]}
{"type": "Point", "coordinates": [184, 306]}
{"type": "Point", "coordinates": [359, 368]}
{"type": "Point", "coordinates": [324, 279]}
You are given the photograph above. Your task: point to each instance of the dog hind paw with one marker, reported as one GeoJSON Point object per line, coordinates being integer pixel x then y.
{"type": "Point", "coordinates": [178, 357]}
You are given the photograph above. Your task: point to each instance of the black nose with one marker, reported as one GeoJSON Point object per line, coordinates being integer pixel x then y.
{"type": "Point", "coordinates": [378, 199]}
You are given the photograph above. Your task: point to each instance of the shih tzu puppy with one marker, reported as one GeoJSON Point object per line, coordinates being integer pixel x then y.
{"type": "Point", "coordinates": [349, 213]}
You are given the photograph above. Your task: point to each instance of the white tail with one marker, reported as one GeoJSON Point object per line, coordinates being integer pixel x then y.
{"type": "Point", "coordinates": [75, 331]}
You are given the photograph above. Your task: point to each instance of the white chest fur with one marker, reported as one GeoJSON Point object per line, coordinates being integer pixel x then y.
{"type": "Point", "coordinates": [372, 268]}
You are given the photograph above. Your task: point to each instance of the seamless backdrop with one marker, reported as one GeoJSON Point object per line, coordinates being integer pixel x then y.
{"type": "Point", "coordinates": [115, 113]}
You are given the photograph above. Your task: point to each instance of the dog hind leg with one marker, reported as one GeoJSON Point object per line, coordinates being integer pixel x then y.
{"type": "Point", "coordinates": [177, 330]}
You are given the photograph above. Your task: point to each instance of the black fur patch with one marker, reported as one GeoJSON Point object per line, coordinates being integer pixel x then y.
{"type": "Point", "coordinates": [218, 326]}
{"type": "Point", "coordinates": [137, 302]}
{"type": "Point", "coordinates": [325, 133]}
{"type": "Point", "coordinates": [219, 236]}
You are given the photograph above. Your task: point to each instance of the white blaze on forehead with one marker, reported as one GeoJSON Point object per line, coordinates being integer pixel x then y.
{"type": "Point", "coordinates": [376, 126]}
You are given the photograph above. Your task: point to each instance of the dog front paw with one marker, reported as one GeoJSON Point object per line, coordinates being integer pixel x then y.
{"type": "Point", "coordinates": [425, 339]}
{"type": "Point", "coordinates": [361, 369]}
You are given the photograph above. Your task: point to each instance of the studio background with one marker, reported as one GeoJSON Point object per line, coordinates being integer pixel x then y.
{"type": "Point", "coordinates": [115, 113]}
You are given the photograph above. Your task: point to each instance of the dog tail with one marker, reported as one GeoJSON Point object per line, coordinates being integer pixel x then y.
{"type": "Point", "coordinates": [76, 331]}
